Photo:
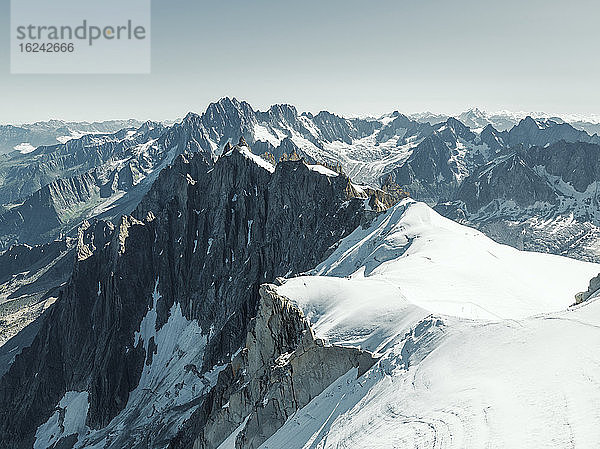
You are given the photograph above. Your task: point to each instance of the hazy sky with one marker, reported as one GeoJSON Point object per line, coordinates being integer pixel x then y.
{"type": "Point", "coordinates": [345, 56]}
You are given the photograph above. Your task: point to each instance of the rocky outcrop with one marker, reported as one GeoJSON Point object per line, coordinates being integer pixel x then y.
{"type": "Point", "coordinates": [593, 288]}
{"type": "Point", "coordinates": [280, 369]}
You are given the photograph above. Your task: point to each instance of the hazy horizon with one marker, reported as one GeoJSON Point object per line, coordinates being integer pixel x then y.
{"type": "Point", "coordinates": [349, 57]}
{"type": "Point", "coordinates": [593, 118]}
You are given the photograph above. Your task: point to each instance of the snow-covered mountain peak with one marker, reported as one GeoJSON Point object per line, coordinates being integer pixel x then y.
{"type": "Point", "coordinates": [413, 255]}
{"type": "Point", "coordinates": [415, 326]}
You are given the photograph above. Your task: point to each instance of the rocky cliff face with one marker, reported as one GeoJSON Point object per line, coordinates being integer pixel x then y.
{"type": "Point", "coordinates": [592, 290]}
{"type": "Point", "coordinates": [279, 369]}
{"type": "Point", "coordinates": [162, 334]}
{"type": "Point", "coordinates": [158, 303]}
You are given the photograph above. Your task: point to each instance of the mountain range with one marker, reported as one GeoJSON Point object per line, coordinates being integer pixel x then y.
{"type": "Point", "coordinates": [276, 279]}
{"type": "Point", "coordinates": [26, 137]}
{"type": "Point", "coordinates": [504, 120]}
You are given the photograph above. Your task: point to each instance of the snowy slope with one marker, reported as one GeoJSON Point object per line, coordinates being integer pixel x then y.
{"type": "Point", "coordinates": [526, 384]}
{"type": "Point", "coordinates": [477, 346]}
{"type": "Point", "coordinates": [413, 253]}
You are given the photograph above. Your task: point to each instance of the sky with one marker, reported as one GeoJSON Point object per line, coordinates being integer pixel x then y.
{"type": "Point", "coordinates": [349, 57]}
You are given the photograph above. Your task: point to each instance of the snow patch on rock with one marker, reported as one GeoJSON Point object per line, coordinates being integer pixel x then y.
{"type": "Point", "coordinates": [68, 419]}
{"type": "Point", "coordinates": [169, 386]}
{"type": "Point", "coordinates": [24, 148]}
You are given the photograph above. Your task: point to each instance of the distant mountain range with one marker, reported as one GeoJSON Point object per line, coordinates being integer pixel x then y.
{"type": "Point", "coordinates": [28, 136]}
{"type": "Point", "coordinates": [505, 120]}
{"type": "Point", "coordinates": [505, 182]}
{"type": "Point", "coordinates": [50, 191]}
{"type": "Point", "coordinates": [25, 138]}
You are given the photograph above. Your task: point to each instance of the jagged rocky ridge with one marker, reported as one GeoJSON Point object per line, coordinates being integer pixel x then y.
{"type": "Point", "coordinates": [106, 175]}
{"type": "Point", "coordinates": [53, 189]}
{"type": "Point", "coordinates": [196, 250]}
{"type": "Point", "coordinates": [593, 289]}
{"type": "Point", "coordinates": [175, 283]}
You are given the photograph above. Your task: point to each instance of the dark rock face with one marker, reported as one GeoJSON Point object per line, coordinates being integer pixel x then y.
{"type": "Point", "coordinates": [427, 174]}
{"type": "Point", "coordinates": [76, 346]}
{"type": "Point", "coordinates": [23, 257]}
{"type": "Point", "coordinates": [494, 139]}
{"type": "Point", "coordinates": [575, 163]}
{"type": "Point", "coordinates": [453, 129]}
{"type": "Point", "coordinates": [531, 133]}
{"type": "Point", "coordinates": [206, 237]}
{"type": "Point", "coordinates": [505, 179]}
{"type": "Point", "coordinates": [530, 175]}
